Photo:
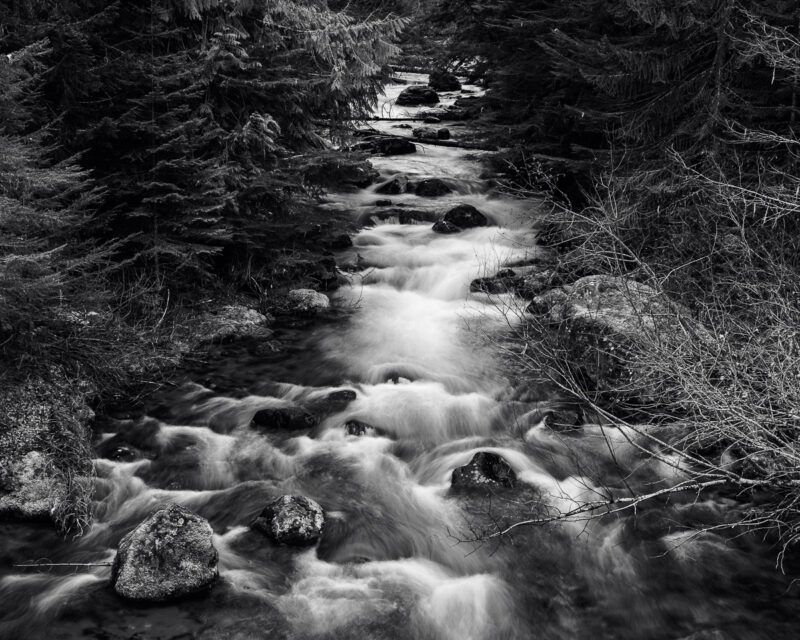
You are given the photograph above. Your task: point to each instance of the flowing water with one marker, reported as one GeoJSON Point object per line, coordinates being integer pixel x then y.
{"type": "Point", "coordinates": [401, 556]}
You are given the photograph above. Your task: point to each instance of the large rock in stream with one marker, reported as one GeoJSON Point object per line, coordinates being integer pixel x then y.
{"type": "Point", "coordinates": [443, 80]}
{"type": "Point", "coordinates": [486, 470]}
{"type": "Point", "coordinates": [169, 555]}
{"type": "Point", "coordinates": [604, 320]}
{"type": "Point", "coordinates": [464, 216]}
{"type": "Point", "coordinates": [432, 188]}
{"type": "Point", "coordinates": [291, 520]}
{"type": "Point", "coordinates": [291, 418]}
{"type": "Point", "coordinates": [416, 95]}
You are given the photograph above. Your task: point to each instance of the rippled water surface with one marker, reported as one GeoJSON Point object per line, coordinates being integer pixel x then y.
{"type": "Point", "coordinates": [398, 558]}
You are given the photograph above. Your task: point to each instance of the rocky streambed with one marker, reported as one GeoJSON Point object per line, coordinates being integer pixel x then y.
{"type": "Point", "coordinates": [350, 481]}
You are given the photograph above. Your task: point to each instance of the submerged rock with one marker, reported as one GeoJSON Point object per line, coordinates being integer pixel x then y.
{"type": "Point", "coordinates": [284, 419]}
{"type": "Point", "coordinates": [358, 428]}
{"type": "Point", "coordinates": [393, 187]}
{"type": "Point", "coordinates": [432, 188]}
{"type": "Point", "coordinates": [445, 227]}
{"type": "Point", "coordinates": [169, 555]}
{"type": "Point", "coordinates": [291, 520]}
{"type": "Point", "coordinates": [416, 95]}
{"type": "Point", "coordinates": [485, 470]}
{"type": "Point", "coordinates": [443, 80]}
{"type": "Point", "coordinates": [307, 300]}
{"type": "Point", "coordinates": [333, 403]}
{"type": "Point", "coordinates": [391, 146]}
{"type": "Point", "coordinates": [466, 216]}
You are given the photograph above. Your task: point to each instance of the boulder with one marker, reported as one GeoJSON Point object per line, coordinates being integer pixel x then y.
{"type": "Point", "coordinates": [337, 172]}
{"type": "Point", "coordinates": [29, 489]}
{"type": "Point", "coordinates": [292, 418]}
{"type": "Point", "coordinates": [466, 216]}
{"type": "Point", "coordinates": [416, 95]}
{"type": "Point", "coordinates": [442, 80]}
{"type": "Point", "coordinates": [393, 187]}
{"type": "Point", "coordinates": [232, 322]}
{"type": "Point", "coordinates": [534, 284]}
{"type": "Point", "coordinates": [485, 471]}
{"type": "Point", "coordinates": [169, 555]}
{"type": "Point", "coordinates": [604, 320]}
{"type": "Point", "coordinates": [432, 188]}
{"type": "Point", "coordinates": [332, 403]}
{"type": "Point", "coordinates": [563, 419]}
{"type": "Point", "coordinates": [443, 134]}
{"type": "Point", "coordinates": [307, 300]}
{"type": "Point", "coordinates": [425, 133]}
{"type": "Point", "coordinates": [358, 428]}
{"type": "Point", "coordinates": [291, 520]}
{"type": "Point", "coordinates": [504, 282]}
{"type": "Point", "coordinates": [445, 227]}
{"type": "Point", "coordinates": [391, 146]}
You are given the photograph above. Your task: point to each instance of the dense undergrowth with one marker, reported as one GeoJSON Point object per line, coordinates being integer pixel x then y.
{"type": "Point", "coordinates": [667, 137]}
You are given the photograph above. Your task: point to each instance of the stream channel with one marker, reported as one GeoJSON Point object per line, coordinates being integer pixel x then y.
{"type": "Point", "coordinates": [398, 557]}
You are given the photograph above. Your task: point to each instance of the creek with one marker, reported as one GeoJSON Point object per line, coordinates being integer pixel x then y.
{"type": "Point", "coordinates": [401, 555]}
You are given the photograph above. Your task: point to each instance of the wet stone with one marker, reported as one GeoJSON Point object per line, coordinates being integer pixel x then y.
{"type": "Point", "coordinates": [432, 188]}
{"type": "Point", "coordinates": [291, 520]}
{"type": "Point", "coordinates": [284, 419]}
{"type": "Point", "coordinates": [466, 216]}
{"type": "Point", "coordinates": [485, 470]}
{"type": "Point", "coordinates": [169, 555]}
{"type": "Point", "coordinates": [416, 95]}
{"type": "Point", "coordinates": [357, 428]}
{"type": "Point", "coordinates": [445, 227]}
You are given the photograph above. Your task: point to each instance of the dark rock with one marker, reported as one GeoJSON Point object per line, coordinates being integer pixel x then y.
{"type": "Point", "coordinates": [124, 453]}
{"type": "Point", "coordinates": [390, 146]}
{"type": "Point", "coordinates": [291, 520]}
{"type": "Point", "coordinates": [393, 187]}
{"type": "Point", "coordinates": [563, 419]}
{"type": "Point", "coordinates": [416, 95]}
{"type": "Point", "coordinates": [442, 80]}
{"type": "Point", "coordinates": [466, 216]}
{"type": "Point", "coordinates": [432, 188]}
{"type": "Point", "coordinates": [494, 285]}
{"type": "Point", "coordinates": [443, 134]}
{"type": "Point", "coordinates": [431, 120]}
{"type": "Point", "coordinates": [357, 428]}
{"type": "Point", "coordinates": [404, 216]}
{"type": "Point", "coordinates": [485, 470]}
{"type": "Point", "coordinates": [425, 133]}
{"type": "Point", "coordinates": [333, 402]}
{"type": "Point", "coordinates": [534, 284]}
{"type": "Point", "coordinates": [445, 227]}
{"type": "Point", "coordinates": [169, 555]}
{"type": "Point", "coordinates": [401, 126]}
{"type": "Point", "coordinates": [383, 203]}
{"type": "Point", "coordinates": [337, 172]}
{"type": "Point", "coordinates": [284, 419]}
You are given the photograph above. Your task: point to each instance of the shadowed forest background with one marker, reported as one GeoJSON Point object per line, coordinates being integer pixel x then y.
{"type": "Point", "coordinates": [156, 155]}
